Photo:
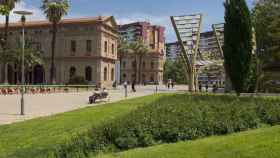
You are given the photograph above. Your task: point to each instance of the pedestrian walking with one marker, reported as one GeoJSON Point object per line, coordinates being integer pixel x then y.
{"type": "Point", "coordinates": [133, 86]}
{"type": "Point", "coordinates": [169, 83]}
{"type": "Point", "coordinates": [206, 87]}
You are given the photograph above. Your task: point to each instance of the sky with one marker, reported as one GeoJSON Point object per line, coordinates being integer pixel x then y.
{"type": "Point", "coordinates": [125, 11]}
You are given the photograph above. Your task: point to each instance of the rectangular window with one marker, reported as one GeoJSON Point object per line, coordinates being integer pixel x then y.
{"type": "Point", "coordinates": [105, 46]}
{"type": "Point", "coordinates": [113, 49]}
{"type": "Point", "coordinates": [73, 46]}
{"type": "Point", "coordinates": [89, 44]}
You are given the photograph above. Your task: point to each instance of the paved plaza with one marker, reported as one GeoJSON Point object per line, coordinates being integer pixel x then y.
{"type": "Point", "coordinates": [40, 105]}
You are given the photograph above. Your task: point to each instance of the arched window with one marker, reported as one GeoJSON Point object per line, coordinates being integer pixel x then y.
{"type": "Point", "coordinates": [88, 73]}
{"type": "Point", "coordinates": [133, 77]}
{"type": "Point", "coordinates": [112, 74]}
{"type": "Point", "coordinates": [105, 74]}
{"type": "Point", "coordinates": [124, 64]}
{"type": "Point", "coordinates": [38, 74]}
{"type": "Point", "coordinates": [105, 46]}
{"type": "Point", "coordinates": [72, 72]}
{"type": "Point", "coordinates": [134, 64]}
{"type": "Point", "coordinates": [124, 76]}
{"type": "Point", "coordinates": [113, 49]}
{"type": "Point", "coordinates": [152, 64]}
{"type": "Point", "coordinates": [152, 78]}
{"type": "Point", "coordinates": [143, 77]}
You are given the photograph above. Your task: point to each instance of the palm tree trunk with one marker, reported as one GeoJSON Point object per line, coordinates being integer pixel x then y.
{"type": "Point", "coordinates": [135, 69]}
{"type": "Point", "coordinates": [53, 81]}
{"type": "Point", "coordinates": [6, 30]}
{"type": "Point", "coordinates": [140, 69]}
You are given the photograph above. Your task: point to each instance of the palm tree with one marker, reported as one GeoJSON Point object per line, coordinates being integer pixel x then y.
{"type": "Point", "coordinates": [54, 11]}
{"type": "Point", "coordinates": [6, 6]}
{"type": "Point", "coordinates": [140, 49]}
{"type": "Point", "coordinates": [123, 49]}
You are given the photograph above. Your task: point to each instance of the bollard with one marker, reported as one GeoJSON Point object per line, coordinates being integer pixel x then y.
{"type": "Point", "coordinates": [156, 89]}
{"type": "Point", "coordinates": [125, 91]}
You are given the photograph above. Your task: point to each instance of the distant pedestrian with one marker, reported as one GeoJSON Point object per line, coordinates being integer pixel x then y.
{"type": "Point", "coordinates": [133, 86]}
{"type": "Point", "coordinates": [200, 88]}
{"type": "Point", "coordinates": [173, 84]}
{"type": "Point", "coordinates": [169, 83]}
{"type": "Point", "coordinates": [115, 85]}
{"type": "Point", "coordinates": [215, 88]}
{"type": "Point", "coordinates": [206, 87]}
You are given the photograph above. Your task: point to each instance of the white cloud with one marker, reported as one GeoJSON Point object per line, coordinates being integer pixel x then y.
{"type": "Point", "coordinates": [37, 13]}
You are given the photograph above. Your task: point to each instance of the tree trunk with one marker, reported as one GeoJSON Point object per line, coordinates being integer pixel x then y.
{"type": "Point", "coordinates": [121, 78]}
{"type": "Point", "coordinates": [140, 69]}
{"type": "Point", "coordinates": [135, 69]}
{"type": "Point", "coordinates": [228, 84]}
{"type": "Point", "coordinates": [52, 78]}
{"type": "Point", "coordinates": [191, 81]}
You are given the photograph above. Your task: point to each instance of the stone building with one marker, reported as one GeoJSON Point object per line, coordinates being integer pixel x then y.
{"type": "Point", "coordinates": [153, 62]}
{"type": "Point", "coordinates": [85, 47]}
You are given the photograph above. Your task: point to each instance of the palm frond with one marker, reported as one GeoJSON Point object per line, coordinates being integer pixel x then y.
{"type": "Point", "coordinates": [55, 9]}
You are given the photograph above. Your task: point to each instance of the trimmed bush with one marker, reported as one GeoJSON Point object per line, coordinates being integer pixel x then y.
{"type": "Point", "coordinates": [175, 118]}
{"type": "Point", "coordinates": [78, 80]}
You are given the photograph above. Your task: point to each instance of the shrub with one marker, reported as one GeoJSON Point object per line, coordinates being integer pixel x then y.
{"type": "Point", "coordinates": [177, 118]}
{"type": "Point", "coordinates": [78, 80]}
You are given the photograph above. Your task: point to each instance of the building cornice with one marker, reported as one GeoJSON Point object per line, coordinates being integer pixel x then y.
{"type": "Point", "coordinates": [45, 23]}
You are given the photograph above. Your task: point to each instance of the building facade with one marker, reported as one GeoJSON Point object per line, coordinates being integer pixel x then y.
{"type": "Point", "coordinates": [153, 62]}
{"type": "Point", "coordinates": [173, 50]}
{"type": "Point", "coordinates": [208, 47]}
{"type": "Point", "coordinates": [85, 47]}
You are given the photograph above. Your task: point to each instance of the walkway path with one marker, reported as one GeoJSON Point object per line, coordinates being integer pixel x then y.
{"type": "Point", "coordinates": [48, 104]}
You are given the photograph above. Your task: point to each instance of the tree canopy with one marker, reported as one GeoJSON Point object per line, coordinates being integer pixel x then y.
{"type": "Point", "coordinates": [266, 18]}
{"type": "Point", "coordinates": [238, 42]}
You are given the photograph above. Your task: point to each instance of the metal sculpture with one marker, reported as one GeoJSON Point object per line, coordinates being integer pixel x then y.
{"type": "Point", "coordinates": [188, 29]}
{"type": "Point", "coordinates": [218, 30]}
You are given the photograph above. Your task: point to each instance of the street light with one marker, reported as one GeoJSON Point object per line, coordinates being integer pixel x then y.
{"type": "Point", "coordinates": [23, 19]}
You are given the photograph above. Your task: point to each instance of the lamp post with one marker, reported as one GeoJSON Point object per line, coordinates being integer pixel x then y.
{"type": "Point", "coordinates": [23, 19]}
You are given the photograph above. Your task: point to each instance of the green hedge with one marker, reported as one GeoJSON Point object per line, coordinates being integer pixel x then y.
{"type": "Point", "coordinates": [175, 118]}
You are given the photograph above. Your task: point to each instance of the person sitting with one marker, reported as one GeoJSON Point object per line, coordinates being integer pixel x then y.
{"type": "Point", "coordinates": [96, 91]}
{"type": "Point", "coordinates": [104, 91]}
{"type": "Point", "coordinates": [200, 87]}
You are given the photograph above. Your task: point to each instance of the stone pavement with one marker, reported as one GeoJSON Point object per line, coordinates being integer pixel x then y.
{"type": "Point", "coordinates": [41, 105]}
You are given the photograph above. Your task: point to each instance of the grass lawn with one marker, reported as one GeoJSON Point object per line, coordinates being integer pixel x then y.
{"type": "Point", "coordinates": [32, 138]}
{"type": "Point", "coordinates": [261, 143]}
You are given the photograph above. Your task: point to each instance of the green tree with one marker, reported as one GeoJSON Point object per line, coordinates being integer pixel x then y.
{"type": "Point", "coordinates": [32, 57]}
{"type": "Point", "coordinates": [238, 42]}
{"type": "Point", "coordinates": [266, 19]}
{"type": "Point", "coordinates": [175, 70]}
{"type": "Point", "coordinates": [123, 49]}
{"type": "Point", "coordinates": [140, 49]}
{"type": "Point", "coordinates": [6, 6]}
{"type": "Point", "coordinates": [54, 11]}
